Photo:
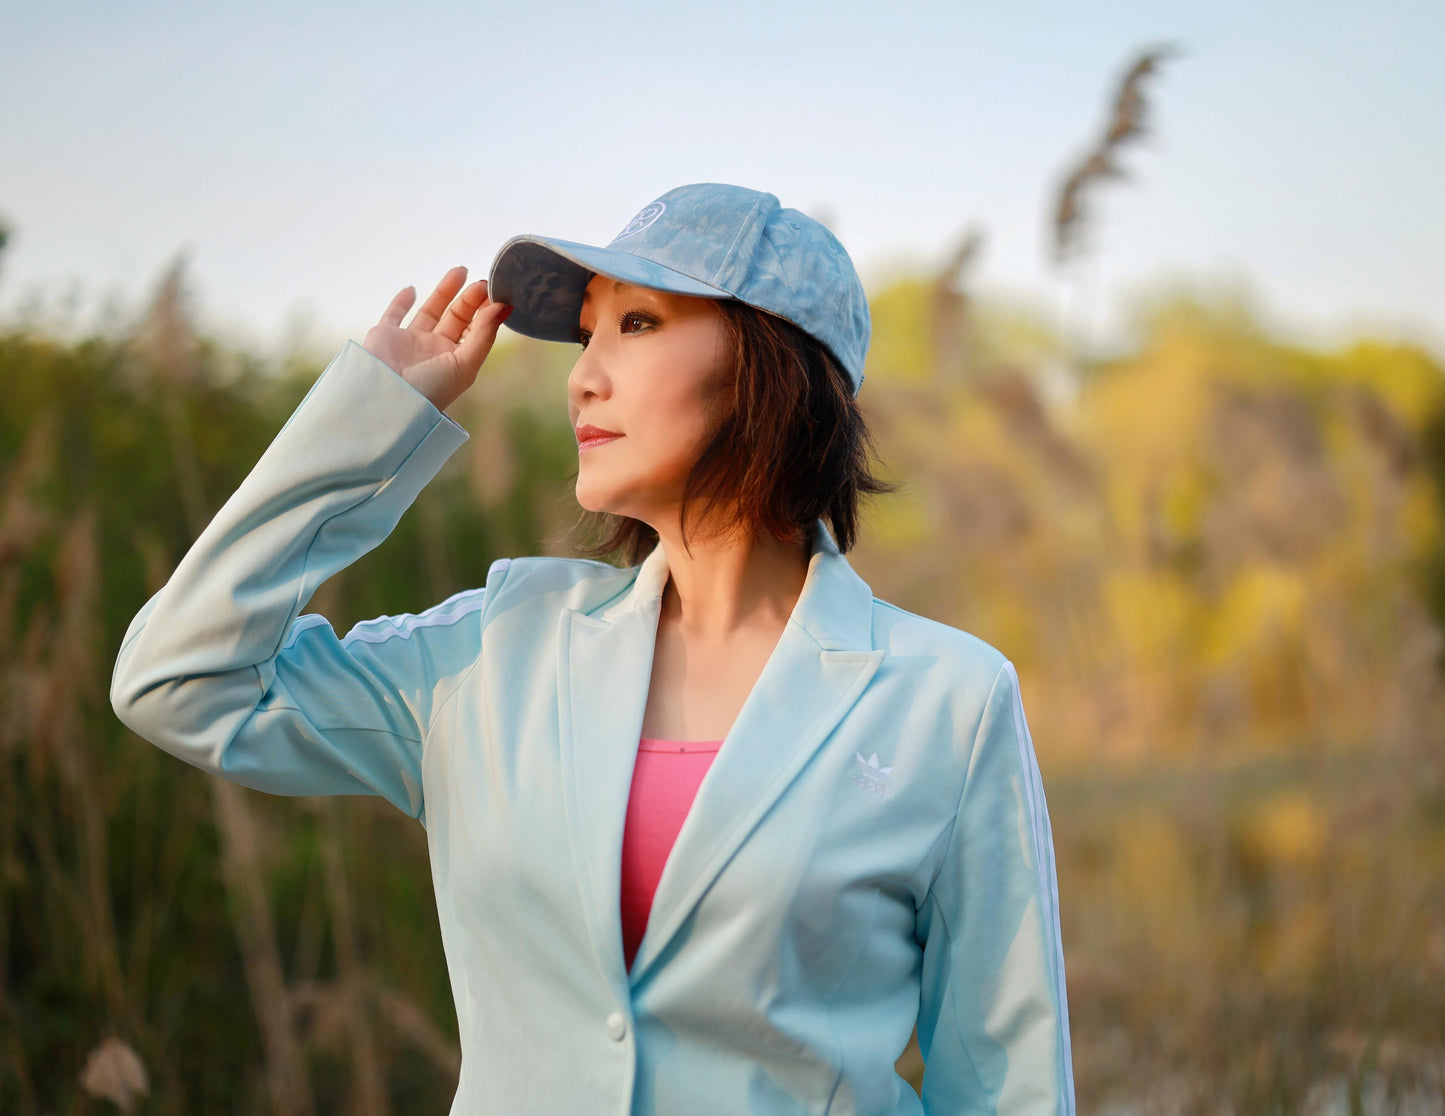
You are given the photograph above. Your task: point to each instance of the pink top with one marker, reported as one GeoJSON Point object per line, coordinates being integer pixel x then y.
{"type": "Point", "coordinates": [664, 782]}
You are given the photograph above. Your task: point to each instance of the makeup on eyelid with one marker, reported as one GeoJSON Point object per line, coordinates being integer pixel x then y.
{"type": "Point", "coordinates": [582, 336]}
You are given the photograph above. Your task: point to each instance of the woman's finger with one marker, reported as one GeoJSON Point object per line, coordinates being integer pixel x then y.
{"type": "Point", "coordinates": [436, 305]}
{"type": "Point", "coordinates": [477, 342]}
{"type": "Point", "coordinates": [398, 307]}
{"type": "Point", "coordinates": [459, 314]}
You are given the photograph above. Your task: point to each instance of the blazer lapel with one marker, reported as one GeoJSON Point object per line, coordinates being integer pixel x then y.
{"type": "Point", "coordinates": [822, 663]}
{"type": "Point", "coordinates": [604, 669]}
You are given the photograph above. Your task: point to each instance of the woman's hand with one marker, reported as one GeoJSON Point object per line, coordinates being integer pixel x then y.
{"type": "Point", "coordinates": [443, 348]}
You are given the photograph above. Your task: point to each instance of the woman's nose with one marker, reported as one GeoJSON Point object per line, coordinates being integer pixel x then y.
{"type": "Point", "coordinates": [588, 378]}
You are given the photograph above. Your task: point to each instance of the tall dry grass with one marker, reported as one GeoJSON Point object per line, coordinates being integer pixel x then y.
{"type": "Point", "coordinates": [1203, 567]}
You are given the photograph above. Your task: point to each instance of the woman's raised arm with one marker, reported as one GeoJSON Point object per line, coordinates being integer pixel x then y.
{"type": "Point", "coordinates": [219, 669]}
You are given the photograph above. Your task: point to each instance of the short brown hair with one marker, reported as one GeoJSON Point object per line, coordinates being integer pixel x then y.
{"type": "Point", "coordinates": [791, 449]}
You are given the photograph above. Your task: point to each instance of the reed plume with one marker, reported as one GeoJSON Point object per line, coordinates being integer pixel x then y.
{"type": "Point", "coordinates": [1126, 123]}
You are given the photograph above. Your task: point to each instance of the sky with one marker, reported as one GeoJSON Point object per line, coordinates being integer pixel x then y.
{"type": "Point", "coordinates": [308, 160]}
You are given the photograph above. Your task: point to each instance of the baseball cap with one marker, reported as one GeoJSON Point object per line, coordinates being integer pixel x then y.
{"type": "Point", "coordinates": [707, 239]}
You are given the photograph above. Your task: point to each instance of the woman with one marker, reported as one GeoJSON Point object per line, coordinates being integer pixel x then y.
{"type": "Point", "coordinates": [869, 847]}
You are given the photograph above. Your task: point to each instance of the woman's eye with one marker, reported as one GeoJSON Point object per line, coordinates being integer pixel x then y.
{"type": "Point", "coordinates": [629, 322]}
{"type": "Point", "coordinates": [632, 320]}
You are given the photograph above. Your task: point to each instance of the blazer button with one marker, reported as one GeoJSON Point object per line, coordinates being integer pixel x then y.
{"type": "Point", "coordinates": [616, 1026]}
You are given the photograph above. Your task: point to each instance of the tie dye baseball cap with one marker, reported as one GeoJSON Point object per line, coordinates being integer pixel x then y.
{"type": "Point", "coordinates": [707, 239]}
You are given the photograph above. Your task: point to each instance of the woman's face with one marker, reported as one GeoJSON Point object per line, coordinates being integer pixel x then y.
{"type": "Point", "coordinates": [651, 370]}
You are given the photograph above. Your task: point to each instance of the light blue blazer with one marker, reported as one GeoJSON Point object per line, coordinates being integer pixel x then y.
{"type": "Point", "coordinates": [869, 849]}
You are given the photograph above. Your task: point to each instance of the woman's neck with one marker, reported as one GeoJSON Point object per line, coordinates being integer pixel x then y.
{"type": "Point", "coordinates": [725, 586]}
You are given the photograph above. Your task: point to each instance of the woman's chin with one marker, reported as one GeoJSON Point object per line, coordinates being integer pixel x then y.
{"type": "Point", "coordinates": [595, 501]}
{"type": "Point", "coordinates": [609, 504]}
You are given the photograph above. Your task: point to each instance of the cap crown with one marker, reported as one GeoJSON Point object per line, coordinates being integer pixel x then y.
{"type": "Point", "coordinates": [780, 260]}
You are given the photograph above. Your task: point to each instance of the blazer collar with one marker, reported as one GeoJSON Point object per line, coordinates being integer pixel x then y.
{"type": "Point", "coordinates": [835, 607]}
{"type": "Point", "coordinates": [821, 664]}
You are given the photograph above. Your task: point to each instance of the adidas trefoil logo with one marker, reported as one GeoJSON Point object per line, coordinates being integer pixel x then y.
{"type": "Point", "coordinates": [870, 776]}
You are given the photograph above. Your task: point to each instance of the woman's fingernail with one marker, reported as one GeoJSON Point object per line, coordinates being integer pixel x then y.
{"type": "Point", "coordinates": [507, 313]}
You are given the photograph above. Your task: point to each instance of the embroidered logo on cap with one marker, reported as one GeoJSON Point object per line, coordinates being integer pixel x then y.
{"type": "Point", "coordinates": [645, 217]}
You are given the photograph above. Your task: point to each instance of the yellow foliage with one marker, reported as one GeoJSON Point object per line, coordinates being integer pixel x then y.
{"type": "Point", "coordinates": [1402, 375]}
{"type": "Point", "coordinates": [1207, 545]}
{"type": "Point", "coordinates": [1185, 497]}
{"type": "Point", "coordinates": [902, 521]}
{"type": "Point", "coordinates": [1153, 877]}
{"type": "Point", "coordinates": [1261, 606]}
{"type": "Point", "coordinates": [1154, 612]}
{"type": "Point", "coordinates": [1145, 421]}
{"type": "Point", "coordinates": [902, 344]}
{"type": "Point", "coordinates": [1420, 525]}
{"type": "Point", "coordinates": [976, 433]}
{"type": "Point", "coordinates": [1288, 828]}
{"type": "Point", "coordinates": [1012, 623]}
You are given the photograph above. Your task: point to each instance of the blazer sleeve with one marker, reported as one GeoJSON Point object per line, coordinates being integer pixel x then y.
{"type": "Point", "coordinates": [218, 669]}
{"type": "Point", "coordinates": [993, 1024]}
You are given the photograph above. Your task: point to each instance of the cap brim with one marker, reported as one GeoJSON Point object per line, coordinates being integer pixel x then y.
{"type": "Point", "coordinates": [542, 279]}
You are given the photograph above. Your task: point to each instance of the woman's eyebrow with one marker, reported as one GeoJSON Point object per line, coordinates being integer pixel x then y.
{"type": "Point", "coordinates": [616, 284]}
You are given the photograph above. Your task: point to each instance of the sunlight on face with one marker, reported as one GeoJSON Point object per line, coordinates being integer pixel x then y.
{"type": "Point", "coordinates": [650, 370]}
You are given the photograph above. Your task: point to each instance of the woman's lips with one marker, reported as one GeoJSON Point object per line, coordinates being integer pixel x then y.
{"type": "Point", "coordinates": [589, 436]}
